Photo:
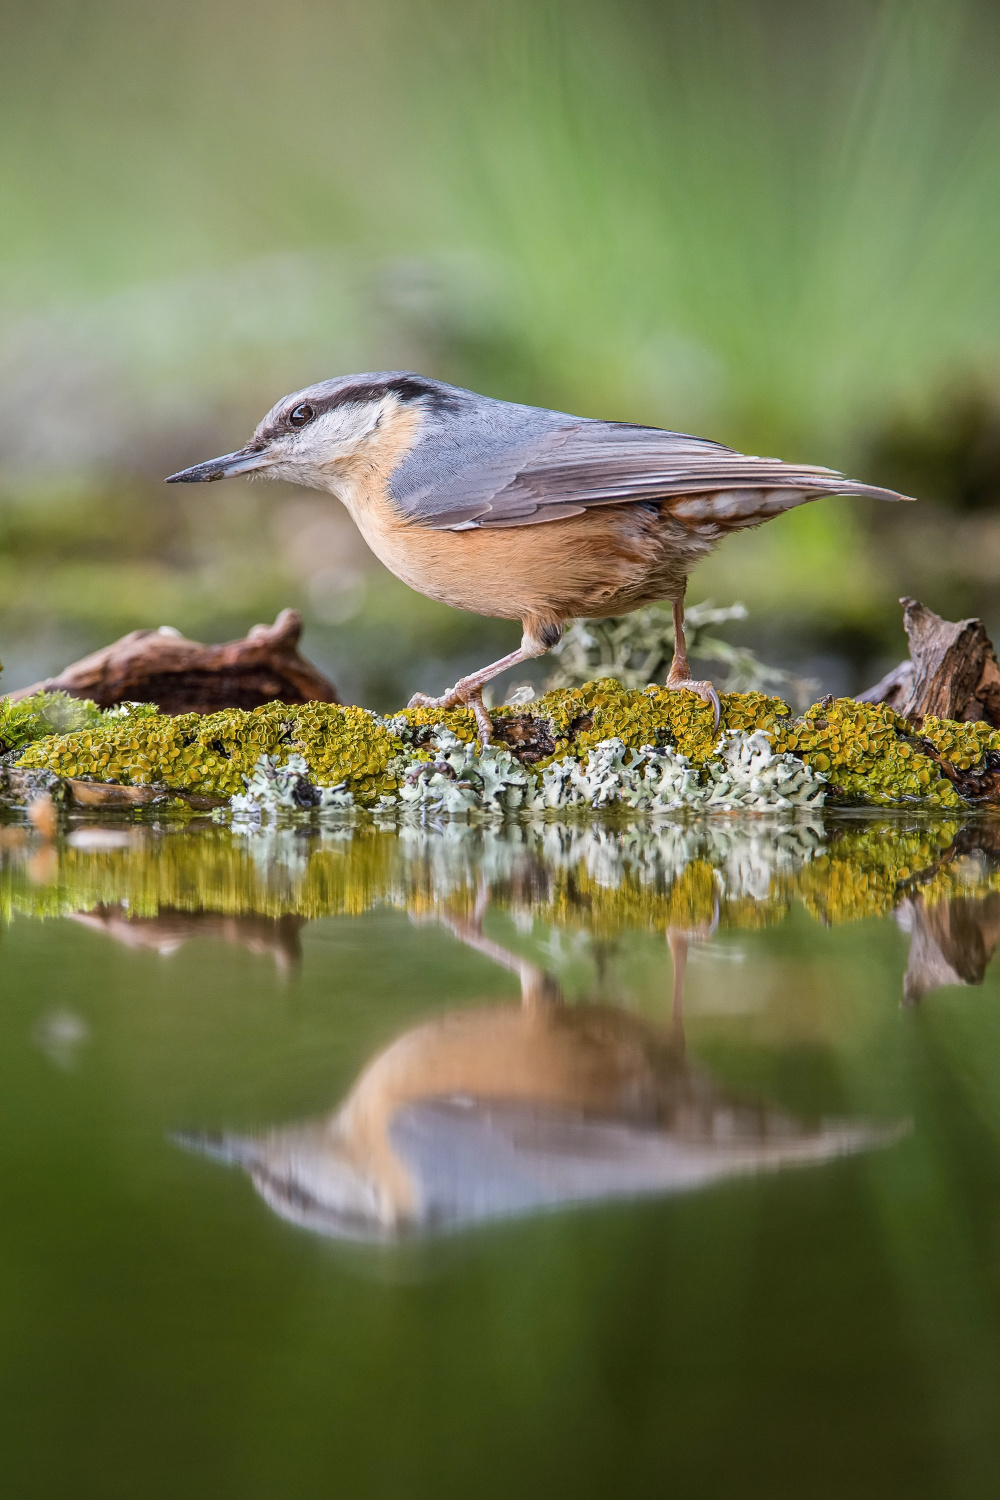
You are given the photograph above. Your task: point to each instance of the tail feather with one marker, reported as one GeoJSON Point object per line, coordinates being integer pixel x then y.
{"type": "Point", "coordinates": [748, 505]}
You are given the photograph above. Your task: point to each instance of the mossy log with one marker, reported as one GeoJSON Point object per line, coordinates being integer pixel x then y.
{"type": "Point", "coordinates": [952, 671]}
{"type": "Point", "coordinates": [182, 676]}
{"type": "Point", "coordinates": [866, 754]}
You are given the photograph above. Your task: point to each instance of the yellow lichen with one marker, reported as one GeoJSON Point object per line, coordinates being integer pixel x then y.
{"type": "Point", "coordinates": [964, 745]}
{"type": "Point", "coordinates": [864, 750]}
{"type": "Point", "coordinates": [210, 754]}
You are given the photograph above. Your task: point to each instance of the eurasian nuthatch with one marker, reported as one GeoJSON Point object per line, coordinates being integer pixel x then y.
{"type": "Point", "coordinates": [517, 511]}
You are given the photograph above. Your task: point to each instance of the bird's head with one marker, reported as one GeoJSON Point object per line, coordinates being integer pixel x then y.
{"type": "Point", "coordinates": [317, 435]}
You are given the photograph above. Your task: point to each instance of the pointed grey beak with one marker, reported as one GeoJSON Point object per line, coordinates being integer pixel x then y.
{"type": "Point", "coordinates": [230, 1149]}
{"type": "Point", "coordinates": [243, 462]}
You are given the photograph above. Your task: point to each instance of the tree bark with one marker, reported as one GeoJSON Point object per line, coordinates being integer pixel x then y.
{"type": "Point", "coordinates": [182, 676]}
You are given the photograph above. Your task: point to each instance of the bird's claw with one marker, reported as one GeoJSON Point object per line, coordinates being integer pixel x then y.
{"type": "Point", "coordinates": [705, 690]}
{"type": "Point", "coordinates": [456, 698]}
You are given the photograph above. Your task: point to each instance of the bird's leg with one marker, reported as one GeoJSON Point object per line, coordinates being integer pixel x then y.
{"type": "Point", "coordinates": [678, 944]}
{"type": "Point", "coordinates": [679, 676]}
{"type": "Point", "coordinates": [469, 690]}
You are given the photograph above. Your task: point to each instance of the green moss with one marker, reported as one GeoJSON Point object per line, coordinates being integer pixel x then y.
{"type": "Point", "coordinates": [44, 714]}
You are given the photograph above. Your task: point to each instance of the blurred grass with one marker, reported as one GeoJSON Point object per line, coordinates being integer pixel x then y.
{"type": "Point", "coordinates": [770, 223]}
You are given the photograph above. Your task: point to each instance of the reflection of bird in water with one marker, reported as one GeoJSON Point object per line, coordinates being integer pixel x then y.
{"type": "Point", "coordinates": [503, 1109]}
{"type": "Point", "coordinates": [519, 512]}
{"type": "Point", "coordinates": [171, 929]}
{"type": "Point", "coordinates": [679, 940]}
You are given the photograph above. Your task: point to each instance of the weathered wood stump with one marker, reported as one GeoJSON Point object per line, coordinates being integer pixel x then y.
{"type": "Point", "coordinates": [952, 672]}
{"type": "Point", "coordinates": [182, 676]}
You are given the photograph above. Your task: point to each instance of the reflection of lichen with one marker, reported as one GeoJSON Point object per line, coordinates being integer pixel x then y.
{"type": "Point", "coordinates": [866, 751]}
{"type": "Point", "coordinates": [861, 872]}
{"type": "Point", "coordinates": [210, 870]}
{"type": "Point", "coordinates": [737, 874]}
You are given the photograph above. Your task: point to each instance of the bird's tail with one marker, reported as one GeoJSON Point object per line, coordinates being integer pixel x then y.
{"type": "Point", "coordinates": [748, 505]}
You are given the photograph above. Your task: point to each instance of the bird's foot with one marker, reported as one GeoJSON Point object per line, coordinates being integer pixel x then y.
{"type": "Point", "coordinates": [460, 697]}
{"type": "Point", "coordinates": [677, 682]}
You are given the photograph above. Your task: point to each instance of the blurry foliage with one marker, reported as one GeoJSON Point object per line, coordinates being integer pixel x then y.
{"type": "Point", "coordinates": [769, 222]}
{"type": "Point", "coordinates": [952, 455]}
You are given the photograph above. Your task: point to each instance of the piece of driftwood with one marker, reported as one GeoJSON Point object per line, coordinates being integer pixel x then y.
{"type": "Point", "coordinates": [25, 788]}
{"type": "Point", "coordinates": [182, 676]}
{"type": "Point", "coordinates": [952, 672]}
{"type": "Point", "coordinates": [114, 794]}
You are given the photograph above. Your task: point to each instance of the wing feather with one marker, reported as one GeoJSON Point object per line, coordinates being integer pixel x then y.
{"type": "Point", "coordinates": [570, 467]}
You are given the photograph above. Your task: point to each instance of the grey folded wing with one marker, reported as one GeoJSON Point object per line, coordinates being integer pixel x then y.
{"type": "Point", "coordinates": [474, 1160]}
{"type": "Point", "coordinates": [563, 470]}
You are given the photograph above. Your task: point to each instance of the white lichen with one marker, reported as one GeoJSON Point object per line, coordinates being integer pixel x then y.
{"type": "Point", "coordinates": [463, 778]}
{"type": "Point", "coordinates": [449, 778]}
{"type": "Point", "coordinates": [273, 790]}
{"type": "Point", "coordinates": [747, 775]}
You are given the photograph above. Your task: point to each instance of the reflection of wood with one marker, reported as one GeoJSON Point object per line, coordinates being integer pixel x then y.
{"type": "Point", "coordinates": [951, 942]}
{"type": "Point", "coordinates": [169, 930]}
{"type": "Point", "coordinates": [952, 671]}
{"type": "Point", "coordinates": [182, 676]}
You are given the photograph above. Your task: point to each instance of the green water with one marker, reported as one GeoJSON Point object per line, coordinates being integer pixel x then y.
{"type": "Point", "coordinates": [648, 1182]}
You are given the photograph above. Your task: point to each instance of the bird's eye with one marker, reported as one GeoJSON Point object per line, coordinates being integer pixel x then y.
{"type": "Point", "coordinates": [301, 415]}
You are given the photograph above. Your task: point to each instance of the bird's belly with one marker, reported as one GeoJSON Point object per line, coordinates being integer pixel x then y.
{"type": "Point", "coordinates": [606, 561]}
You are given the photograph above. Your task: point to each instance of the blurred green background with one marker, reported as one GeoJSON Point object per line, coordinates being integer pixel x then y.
{"type": "Point", "coordinates": [770, 223]}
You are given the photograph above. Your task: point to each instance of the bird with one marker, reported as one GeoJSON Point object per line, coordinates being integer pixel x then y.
{"type": "Point", "coordinates": [519, 512]}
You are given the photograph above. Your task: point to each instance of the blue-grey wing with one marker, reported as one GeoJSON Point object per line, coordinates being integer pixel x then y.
{"type": "Point", "coordinates": [479, 1159]}
{"type": "Point", "coordinates": [563, 466]}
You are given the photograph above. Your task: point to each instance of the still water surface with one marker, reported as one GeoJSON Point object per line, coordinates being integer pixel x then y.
{"type": "Point", "coordinates": [557, 1161]}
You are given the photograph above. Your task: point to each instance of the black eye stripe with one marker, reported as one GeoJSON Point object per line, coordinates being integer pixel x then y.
{"type": "Point", "coordinates": [406, 387]}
